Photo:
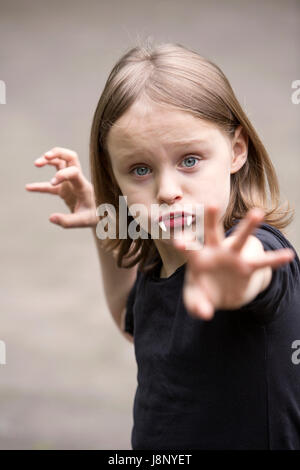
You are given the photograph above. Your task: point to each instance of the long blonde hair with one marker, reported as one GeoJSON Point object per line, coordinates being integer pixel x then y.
{"type": "Point", "coordinates": [177, 76]}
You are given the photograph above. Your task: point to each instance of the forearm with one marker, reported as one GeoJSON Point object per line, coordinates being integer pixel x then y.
{"type": "Point", "coordinates": [117, 282]}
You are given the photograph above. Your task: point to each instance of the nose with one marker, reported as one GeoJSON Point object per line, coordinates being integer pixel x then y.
{"type": "Point", "coordinates": [169, 189]}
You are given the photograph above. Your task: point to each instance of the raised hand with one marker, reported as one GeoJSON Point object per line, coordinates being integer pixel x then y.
{"type": "Point", "coordinates": [71, 185]}
{"type": "Point", "coordinates": [226, 273]}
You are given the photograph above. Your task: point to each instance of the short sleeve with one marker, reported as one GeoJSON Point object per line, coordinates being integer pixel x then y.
{"type": "Point", "coordinates": [129, 316]}
{"type": "Point", "coordinates": [273, 300]}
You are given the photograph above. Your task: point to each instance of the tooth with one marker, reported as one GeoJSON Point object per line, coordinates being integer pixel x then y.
{"type": "Point", "coordinates": [162, 225]}
{"type": "Point", "coordinates": [189, 220]}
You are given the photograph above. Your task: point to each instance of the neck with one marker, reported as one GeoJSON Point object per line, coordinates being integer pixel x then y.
{"type": "Point", "coordinates": [170, 264]}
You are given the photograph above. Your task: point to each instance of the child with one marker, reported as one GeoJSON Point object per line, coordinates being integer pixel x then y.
{"type": "Point", "coordinates": [216, 327]}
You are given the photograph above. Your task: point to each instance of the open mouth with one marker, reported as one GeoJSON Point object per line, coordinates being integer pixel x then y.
{"type": "Point", "coordinates": [176, 221]}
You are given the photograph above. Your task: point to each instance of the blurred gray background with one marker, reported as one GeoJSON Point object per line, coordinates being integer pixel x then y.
{"type": "Point", "coordinates": [70, 377]}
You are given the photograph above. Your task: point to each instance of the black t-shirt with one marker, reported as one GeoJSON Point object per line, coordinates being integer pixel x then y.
{"type": "Point", "coordinates": [229, 383]}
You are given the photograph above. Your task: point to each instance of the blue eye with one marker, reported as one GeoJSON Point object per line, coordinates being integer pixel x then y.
{"type": "Point", "coordinates": [139, 167]}
{"type": "Point", "coordinates": [190, 158]}
{"type": "Point", "coordinates": [144, 168]}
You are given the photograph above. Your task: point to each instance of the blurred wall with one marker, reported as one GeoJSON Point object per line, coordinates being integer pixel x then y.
{"type": "Point", "coordinates": [70, 377]}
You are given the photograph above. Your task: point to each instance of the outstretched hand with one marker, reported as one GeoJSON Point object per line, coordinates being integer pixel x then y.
{"type": "Point", "coordinates": [70, 185]}
{"type": "Point", "coordinates": [219, 274]}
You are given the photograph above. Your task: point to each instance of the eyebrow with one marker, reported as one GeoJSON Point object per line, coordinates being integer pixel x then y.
{"type": "Point", "coordinates": [179, 143]}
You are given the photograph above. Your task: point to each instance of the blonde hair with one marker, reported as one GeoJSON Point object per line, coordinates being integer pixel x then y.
{"type": "Point", "coordinates": [176, 76]}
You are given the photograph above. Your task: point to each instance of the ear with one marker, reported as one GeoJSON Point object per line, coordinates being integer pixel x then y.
{"type": "Point", "coordinates": [239, 149]}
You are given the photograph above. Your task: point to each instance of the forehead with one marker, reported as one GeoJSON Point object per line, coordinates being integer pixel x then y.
{"type": "Point", "coordinates": [145, 125]}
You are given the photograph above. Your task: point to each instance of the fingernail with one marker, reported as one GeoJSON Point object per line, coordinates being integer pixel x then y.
{"type": "Point", "coordinates": [48, 153]}
{"type": "Point", "coordinates": [38, 160]}
{"type": "Point", "coordinates": [53, 181]}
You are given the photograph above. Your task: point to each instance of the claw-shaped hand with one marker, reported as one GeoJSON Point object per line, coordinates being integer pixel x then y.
{"type": "Point", "coordinates": [226, 273]}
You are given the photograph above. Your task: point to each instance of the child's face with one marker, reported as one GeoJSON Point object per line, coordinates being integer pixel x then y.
{"type": "Point", "coordinates": [155, 161]}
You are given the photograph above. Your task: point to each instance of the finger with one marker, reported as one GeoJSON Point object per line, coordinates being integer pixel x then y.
{"type": "Point", "coordinates": [69, 156]}
{"type": "Point", "coordinates": [73, 220]}
{"type": "Point", "coordinates": [43, 187]}
{"type": "Point", "coordinates": [213, 230]}
{"type": "Point", "coordinates": [190, 248]}
{"type": "Point", "coordinates": [198, 257]}
{"type": "Point", "coordinates": [187, 245]}
{"type": "Point", "coordinates": [274, 258]}
{"type": "Point", "coordinates": [245, 228]}
{"type": "Point", "coordinates": [72, 174]}
{"type": "Point", "coordinates": [58, 163]}
{"type": "Point", "coordinates": [198, 304]}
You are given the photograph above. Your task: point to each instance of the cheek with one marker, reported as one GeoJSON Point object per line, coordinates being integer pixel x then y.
{"type": "Point", "coordinates": [132, 197]}
{"type": "Point", "coordinates": [213, 186]}
{"type": "Point", "coordinates": [217, 175]}
{"type": "Point", "coordinates": [138, 209]}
